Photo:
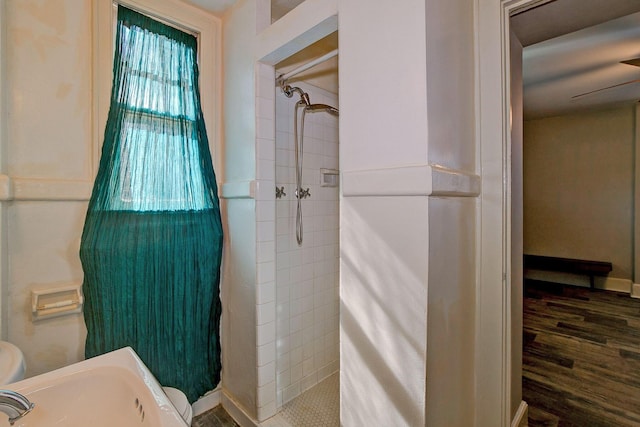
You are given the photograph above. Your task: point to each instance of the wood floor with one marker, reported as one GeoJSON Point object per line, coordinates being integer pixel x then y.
{"type": "Point", "coordinates": [216, 417]}
{"type": "Point", "coordinates": [581, 357]}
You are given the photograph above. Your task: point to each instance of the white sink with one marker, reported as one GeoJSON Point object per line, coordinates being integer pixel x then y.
{"type": "Point", "coordinates": [115, 389]}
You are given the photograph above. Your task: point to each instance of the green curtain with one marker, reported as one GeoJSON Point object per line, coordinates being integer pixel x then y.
{"type": "Point", "coordinates": [152, 241]}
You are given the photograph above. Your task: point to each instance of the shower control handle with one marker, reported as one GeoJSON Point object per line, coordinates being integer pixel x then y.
{"type": "Point", "coordinates": [280, 192]}
{"type": "Point", "coordinates": [303, 194]}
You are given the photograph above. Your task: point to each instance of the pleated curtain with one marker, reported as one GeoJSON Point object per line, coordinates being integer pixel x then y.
{"type": "Point", "coordinates": [152, 240]}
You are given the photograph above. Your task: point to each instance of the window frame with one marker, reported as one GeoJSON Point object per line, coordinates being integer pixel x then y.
{"type": "Point", "coordinates": [207, 29]}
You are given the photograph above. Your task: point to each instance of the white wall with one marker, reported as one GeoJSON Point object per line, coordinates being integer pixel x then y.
{"type": "Point", "coordinates": [452, 220]}
{"type": "Point", "coordinates": [407, 260]}
{"type": "Point", "coordinates": [49, 145]}
{"type": "Point", "coordinates": [307, 276]}
{"type": "Point", "coordinates": [384, 238]}
{"type": "Point", "coordinates": [578, 187]}
{"type": "Point", "coordinates": [53, 133]}
{"type": "Point", "coordinates": [239, 276]}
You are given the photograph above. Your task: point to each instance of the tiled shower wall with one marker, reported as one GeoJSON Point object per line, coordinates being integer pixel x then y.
{"type": "Point", "coordinates": [307, 275]}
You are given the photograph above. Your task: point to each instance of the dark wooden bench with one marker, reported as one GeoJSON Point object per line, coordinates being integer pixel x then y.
{"type": "Point", "coordinates": [568, 265]}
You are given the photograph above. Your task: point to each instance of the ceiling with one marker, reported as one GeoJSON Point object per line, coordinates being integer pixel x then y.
{"type": "Point", "coordinates": [324, 75]}
{"type": "Point", "coordinates": [573, 47]}
{"type": "Point", "coordinates": [279, 8]}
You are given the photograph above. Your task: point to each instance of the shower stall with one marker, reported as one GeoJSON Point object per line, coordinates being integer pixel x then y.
{"type": "Point", "coordinates": [307, 238]}
{"type": "Point", "coordinates": [281, 289]}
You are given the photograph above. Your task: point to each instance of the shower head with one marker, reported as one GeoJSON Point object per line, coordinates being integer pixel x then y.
{"type": "Point", "coordinates": [289, 90]}
{"type": "Point", "coordinates": [322, 107]}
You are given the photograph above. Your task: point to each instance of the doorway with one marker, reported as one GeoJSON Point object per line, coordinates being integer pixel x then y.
{"type": "Point", "coordinates": [511, 13]}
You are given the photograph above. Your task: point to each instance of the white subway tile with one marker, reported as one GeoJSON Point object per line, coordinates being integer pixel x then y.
{"type": "Point", "coordinates": [282, 328]}
{"type": "Point", "coordinates": [268, 410]}
{"type": "Point", "coordinates": [307, 275]}
{"type": "Point", "coordinates": [296, 274]}
{"type": "Point", "coordinates": [307, 367]}
{"type": "Point", "coordinates": [266, 272]}
{"type": "Point", "coordinates": [282, 157]}
{"type": "Point", "coordinates": [295, 293]}
{"type": "Point", "coordinates": [296, 259]}
{"type": "Point", "coordinates": [296, 373]}
{"type": "Point", "coordinates": [308, 381]}
{"type": "Point", "coordinates": [295, 305]}
{"type": "Point", "coordinates": [265, 88]}
{"type": "Point", "coordinates": [266, 231]}
{"type": "Point", "coordinates": [266, 292]}
{"type": "Point", "coordinates": [282, 226]}
{"type": "Point", "coordinates": [282, 179]}
{"type": "Point", "coordinates": [295, 323]}
{"type": "Point", "coordinates": [326, 371]}
{"type": "Point", "coordinates": [295, 338]}
{"type": "Point", "coordinates": [283, 344]}
{"type": "Point", "coordinates": [266, 393]}
{"type": "Point", "coordinates": [267, 374]}
{"type": "Point", "coordinates": [283, 379]}
{"type": "Point", "coordinates": [265, 108]}
{"type": "Point", "coordinates": [266, 353]}
{"type": "Point", "coordinates": [292, 391]}
{"type": "Point", "coordinates": [266, 313]}
{"type": "Point", "coordinates": [307, 339]}
{"type": "Point", "coordinates": [265, 149]}
{"type": "Point", "coordinates": [283, 310]}
{"type": "Point", "coordinates": [295, 356]}
{"type": "Point", "coordinates": [307, 320]}
{"type": "Point", "coordinates": [283, 139]}
{"type": "Point", "coordinates": [307, 256]}
{"type": "Point", "coordinates": [265, 190]}
{"type": "Point", "coordinates": [283, 278]}
{"type": "Point", "coordinates": [282, 295]}
{"type": "Point", "coordinates": [266, 209]}
{"type": "Point", "coordinates": [266, 170]}
{"type": "Point", "coordinates": [266, 251]}
{"type": "Point", "coordinates": [282, 363]}
{"type": "Point", "coordinates": [266, 129]}
{"type": "Point", "coordinates": [266, 333]}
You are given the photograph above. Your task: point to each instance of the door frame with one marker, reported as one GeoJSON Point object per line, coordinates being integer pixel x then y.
{"type": "Point", "coordinates": [493, 297]}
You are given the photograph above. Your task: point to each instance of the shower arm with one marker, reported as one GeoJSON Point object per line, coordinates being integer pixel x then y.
{"type": "Point", "coordinates": [289, 90]}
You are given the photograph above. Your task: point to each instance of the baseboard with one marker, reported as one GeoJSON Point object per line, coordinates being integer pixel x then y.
{"type": "Point", "coordinates": [207, 402]}
{"type": "Point", "coordinates": [521, 419]}
{"type": "Point", "coordinates": [606, 283]}
{"type": "Point", "coordinates": [237, 413]}
{"type": "Point", "coordinates": [613, 284]}
{"type": "Point", "coordinates": [635, 290]}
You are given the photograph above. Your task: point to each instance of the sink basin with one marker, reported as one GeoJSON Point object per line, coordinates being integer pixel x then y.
{"type": "Point", "coordinates": [115, 389]}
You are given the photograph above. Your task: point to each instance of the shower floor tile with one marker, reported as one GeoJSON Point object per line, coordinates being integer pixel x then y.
{"type": "Point", "coordinates": [317, 407]}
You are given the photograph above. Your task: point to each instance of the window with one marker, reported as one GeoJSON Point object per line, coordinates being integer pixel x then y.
{"type": "Point", "coordinates": [159, 104]}
{"type": "Point", "coordinates": [182, 16]}
{"type": "Point", "coordinates": [151, 246]}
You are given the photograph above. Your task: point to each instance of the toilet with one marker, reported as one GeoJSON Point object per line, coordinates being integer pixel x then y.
{"type": "Point", "coordinates": [180, 402]}
{"type": "Point", "coordinates": [12, 365]}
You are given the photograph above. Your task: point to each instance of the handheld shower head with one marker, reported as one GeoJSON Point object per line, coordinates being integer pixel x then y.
{"type": "Point", "coordinates": [322, 107]}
